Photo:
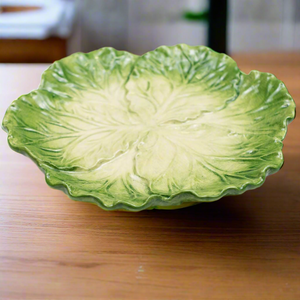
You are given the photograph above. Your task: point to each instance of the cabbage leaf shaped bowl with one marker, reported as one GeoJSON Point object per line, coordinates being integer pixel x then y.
{"type": "Point", "coordinates": [175, 127]}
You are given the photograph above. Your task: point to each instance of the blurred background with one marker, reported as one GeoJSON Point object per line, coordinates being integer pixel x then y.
{"type": "Point", "coordinates": [47, 30]}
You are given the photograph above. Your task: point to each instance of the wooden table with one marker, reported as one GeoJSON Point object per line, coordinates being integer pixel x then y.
{"type": "Point", "coordinates": [242, 247]}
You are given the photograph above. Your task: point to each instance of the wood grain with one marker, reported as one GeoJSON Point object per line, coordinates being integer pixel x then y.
{"type": "Point", "coordinates": [243, 247]}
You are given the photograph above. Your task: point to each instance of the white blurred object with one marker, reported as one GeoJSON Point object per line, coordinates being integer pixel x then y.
{"type": "Point", "coordinates": [196, 5]}
{"type": "Point", "coordinates": [54, 18]}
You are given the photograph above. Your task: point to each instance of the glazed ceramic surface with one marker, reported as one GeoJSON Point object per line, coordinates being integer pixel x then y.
{"type": "Point", "coordinates": [177, 126]}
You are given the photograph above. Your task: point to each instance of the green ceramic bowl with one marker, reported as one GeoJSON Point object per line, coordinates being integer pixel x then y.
{"type": "Point", "coordinates": [177, 126]}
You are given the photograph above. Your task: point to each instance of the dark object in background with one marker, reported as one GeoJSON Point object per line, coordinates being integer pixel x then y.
{"type": "Point", "coordinates": [217, 25]}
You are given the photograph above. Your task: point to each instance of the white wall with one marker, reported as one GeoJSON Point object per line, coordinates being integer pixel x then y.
{"type": "Point", "coordinates": [264, 25]}
{"type": "Point", "coordinates": [142, 25]}
{"type": "Point", "coordinates": [154, 23]}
